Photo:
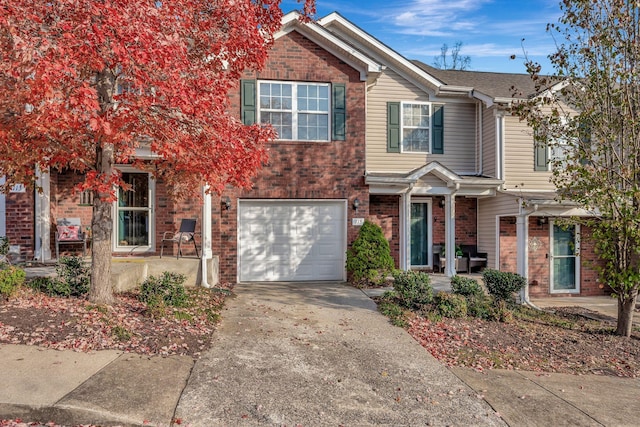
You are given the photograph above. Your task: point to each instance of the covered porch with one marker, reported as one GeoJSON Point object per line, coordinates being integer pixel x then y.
{"type": "Point", "coordinates": [432, 209]}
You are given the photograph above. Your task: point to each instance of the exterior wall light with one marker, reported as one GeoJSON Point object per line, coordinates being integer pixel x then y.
{"type": "Point", "coordinates": [226, 203]}
{"type": "Point", "coordinates": [356, 203]}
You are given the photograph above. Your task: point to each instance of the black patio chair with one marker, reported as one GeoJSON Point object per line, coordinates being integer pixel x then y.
{"type": "Point", "coordinates": [186, 234]}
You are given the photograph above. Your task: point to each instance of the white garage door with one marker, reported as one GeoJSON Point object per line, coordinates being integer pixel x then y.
{"type": "Point", "coordinates": [291, 240]}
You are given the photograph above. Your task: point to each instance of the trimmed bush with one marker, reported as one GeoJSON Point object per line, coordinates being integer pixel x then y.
{"type": "Point", "coordinates": [413, 288]}
{"type": "Point", "coordinates": [465, 286]}
{"type": "Point", "coordinates": [502, 285]}
{"type": "Point", "coordinates": [449, 305]}
{"type": "Point", "coordinates": [369, 259]}
{"type": "Point", "coordinates": [11, 278]}
{"type": "Point", "coordinates": [167, 289]}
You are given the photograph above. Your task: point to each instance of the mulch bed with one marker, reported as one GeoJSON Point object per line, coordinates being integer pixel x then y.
{"type": "Point", "coordinates": [571, 340]}
{"type": "Point", "coordinates": [33, 318]}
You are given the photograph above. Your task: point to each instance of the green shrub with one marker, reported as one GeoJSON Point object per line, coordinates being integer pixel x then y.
{"type": "Point", "coordinates": [75, 273]}
{"type": "Point", "coordinates": [74, 277]}
{"type": "Point", "coordinates": [480, 306]}
{"type": "Point", "coordinates": [369, 259]}
{"type": "Point", "coordinates": [449, 305]}
{"type": "Point", "coordinates": [500, 312]}
{"type": "Point", "coordinates": [465, 286]}
{"type": "Point", "coordinates": [394, 312]}
{"type": "Point", "coordinates": [5, 247]}
{"type": "Point", "coordinates": [10, 280]}
{"type": "Point", "coordinates": [413, 288]}
{"type": "Point", "coordinates": [502, 285]}
{"type": "Point", "coordinates": [167, 289]}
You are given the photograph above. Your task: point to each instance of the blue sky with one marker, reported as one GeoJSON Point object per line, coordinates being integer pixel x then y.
{"type": "Point", "coordinates": [490, 30]}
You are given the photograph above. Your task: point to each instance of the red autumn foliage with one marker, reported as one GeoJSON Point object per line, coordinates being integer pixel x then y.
{"type": "Point", "coordinates": [86, 85]}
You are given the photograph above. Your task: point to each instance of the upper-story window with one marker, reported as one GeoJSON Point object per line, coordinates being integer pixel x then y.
{"type": "Point", "coordinates": [416, 119]}
{"type": "Point", "coordinates": [415, 127]}
{"type": "Point", "coordinates": [298, 111]}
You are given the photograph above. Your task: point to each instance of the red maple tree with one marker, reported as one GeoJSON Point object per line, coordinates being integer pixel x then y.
{"type": "Point", "coordinates": [84, 83]}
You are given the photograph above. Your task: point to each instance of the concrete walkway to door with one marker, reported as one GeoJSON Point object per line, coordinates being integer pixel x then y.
{"type": "Point", "coordinates": [319, 354]}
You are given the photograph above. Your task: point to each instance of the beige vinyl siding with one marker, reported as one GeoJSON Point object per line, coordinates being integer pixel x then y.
{"type": "Point", "coordinates": [489, 210]}
{"type": "Point", "coordinates": [519, 158]}
{"type": "Point", "coordinates": [489, 142]}
{"type": "Point", "coordinates": [459, 129]}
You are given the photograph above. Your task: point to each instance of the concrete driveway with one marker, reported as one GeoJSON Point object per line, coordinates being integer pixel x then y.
{"type": "Point", "coordinates": [316, 354]}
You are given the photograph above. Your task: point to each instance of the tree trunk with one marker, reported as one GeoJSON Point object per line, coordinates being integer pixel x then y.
{"type": "Point", "coordinates": [625, 314]}
{"type": "Point", "coordinates": [101, 291]}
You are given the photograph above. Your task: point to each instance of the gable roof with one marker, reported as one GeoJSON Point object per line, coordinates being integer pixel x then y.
{"type": "Point", "coordinates": [328, 41]}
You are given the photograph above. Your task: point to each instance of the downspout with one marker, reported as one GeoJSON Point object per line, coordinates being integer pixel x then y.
{"type": "Point", "coordinates": [480, 118]}
{"type": "Point", "coordinates": [206, 235]}
{"type": "Point", "coordinates": [522, 233]}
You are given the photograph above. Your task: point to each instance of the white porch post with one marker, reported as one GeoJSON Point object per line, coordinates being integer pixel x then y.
{"type": "Point", "coordinates": [42, 244]}
{"type": "Point", "coordinates": [522, 261]}
{"type": "Point", "coordinates": [450, 234]}
{"type": "Point", "coordinates": [405, 231]}
{"type": "Point", "coordinates": [206, 251]}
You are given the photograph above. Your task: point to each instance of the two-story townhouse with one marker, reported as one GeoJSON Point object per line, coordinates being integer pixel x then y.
{"type": "Point", "coordinates": [432, 156]}
{"type": "Point", "coordinates": [518, 228]}
{"type": "Point", "coordinates": [296, 221]}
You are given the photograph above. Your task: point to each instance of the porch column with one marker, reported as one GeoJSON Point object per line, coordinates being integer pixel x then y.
{"type": "Point", "coordinates": [450, 234]}
{"type": "Point", "coordinates": [42, 213]}
{"type": "Point", "coordinates": [522, 260]}
{"type": "Point", "coordinates": [405, 231]}
{"type": "Point", "coordinates": [206, 251]}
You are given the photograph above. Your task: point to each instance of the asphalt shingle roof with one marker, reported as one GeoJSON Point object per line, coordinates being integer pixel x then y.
{"type": "Point", "coordinates": [496, 85]}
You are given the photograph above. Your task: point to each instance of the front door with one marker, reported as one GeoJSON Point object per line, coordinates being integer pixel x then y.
{"type": "Point", "coordinates": [134, 213]}
{"type": "Point", "coordinates": [420, 233]}
{"type": "Point", "coordinates": [565, 262]}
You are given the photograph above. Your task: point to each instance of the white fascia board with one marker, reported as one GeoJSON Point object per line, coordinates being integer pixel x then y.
{"type": "Point", "coordinates": [483, 97]}
{"type": "Point", "coordinates": [336, 18]}
{"type": "Point", "coordinates": [330, 42]}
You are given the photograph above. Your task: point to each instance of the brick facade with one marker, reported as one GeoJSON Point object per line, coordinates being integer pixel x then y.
{"type": "Point", "coordinates": [385, 211]}
{"type": "Point", "coordinates": [539, 258]}
{"type": "Point", "coordinates": [20, 221]}
{"type": "Point", "coordinates": [297, 169]}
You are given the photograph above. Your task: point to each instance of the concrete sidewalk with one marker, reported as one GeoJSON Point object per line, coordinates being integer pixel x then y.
{"type": "Point", "coordinates": [315, 354]}
{"type": "Point", "coordinates": [103, 388]}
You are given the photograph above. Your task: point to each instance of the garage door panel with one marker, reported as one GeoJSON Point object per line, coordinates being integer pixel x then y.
{"type": "Point", "coordinates": [293, 240]}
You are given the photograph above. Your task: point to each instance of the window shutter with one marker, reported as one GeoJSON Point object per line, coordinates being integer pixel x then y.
{"type": "Point", "coordinates": [248, 101]}
{"type": "Point", "coordinates": [541, 154]}
{"type": "Point", "coordinates": [339, 110]}
{"type": "Point", "coordinates": [393, 127]}
{"type": "Point", "coordinates": [437, 130]}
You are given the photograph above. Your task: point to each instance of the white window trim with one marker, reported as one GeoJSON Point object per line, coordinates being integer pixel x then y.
{"type": "Point", "coordinates": [116, 247]}
{"type": "Point", "coordinates": [402, 127]}
{"type": "Point", "coordinates": [294, 108]}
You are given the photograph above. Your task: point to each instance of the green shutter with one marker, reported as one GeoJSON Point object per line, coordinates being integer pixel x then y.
{"type": "Point", "coordinates": [541, 154]}
{"type": "Point", "coordinates": [437, 130]}
{"type": "Point", "coordinates": [248, 101]}
{"type": "Point", "coordinates": [393, 127]}
{"type": "Point", "coordinates": [339, 110]}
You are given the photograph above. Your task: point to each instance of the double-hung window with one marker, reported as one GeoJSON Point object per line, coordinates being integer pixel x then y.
{"type": "Point", "coordinates": [298, 111]}
{"type": "Point", "coordinates": [416, 124]}
{"type": "Point", "coordinates": [415, 127]}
